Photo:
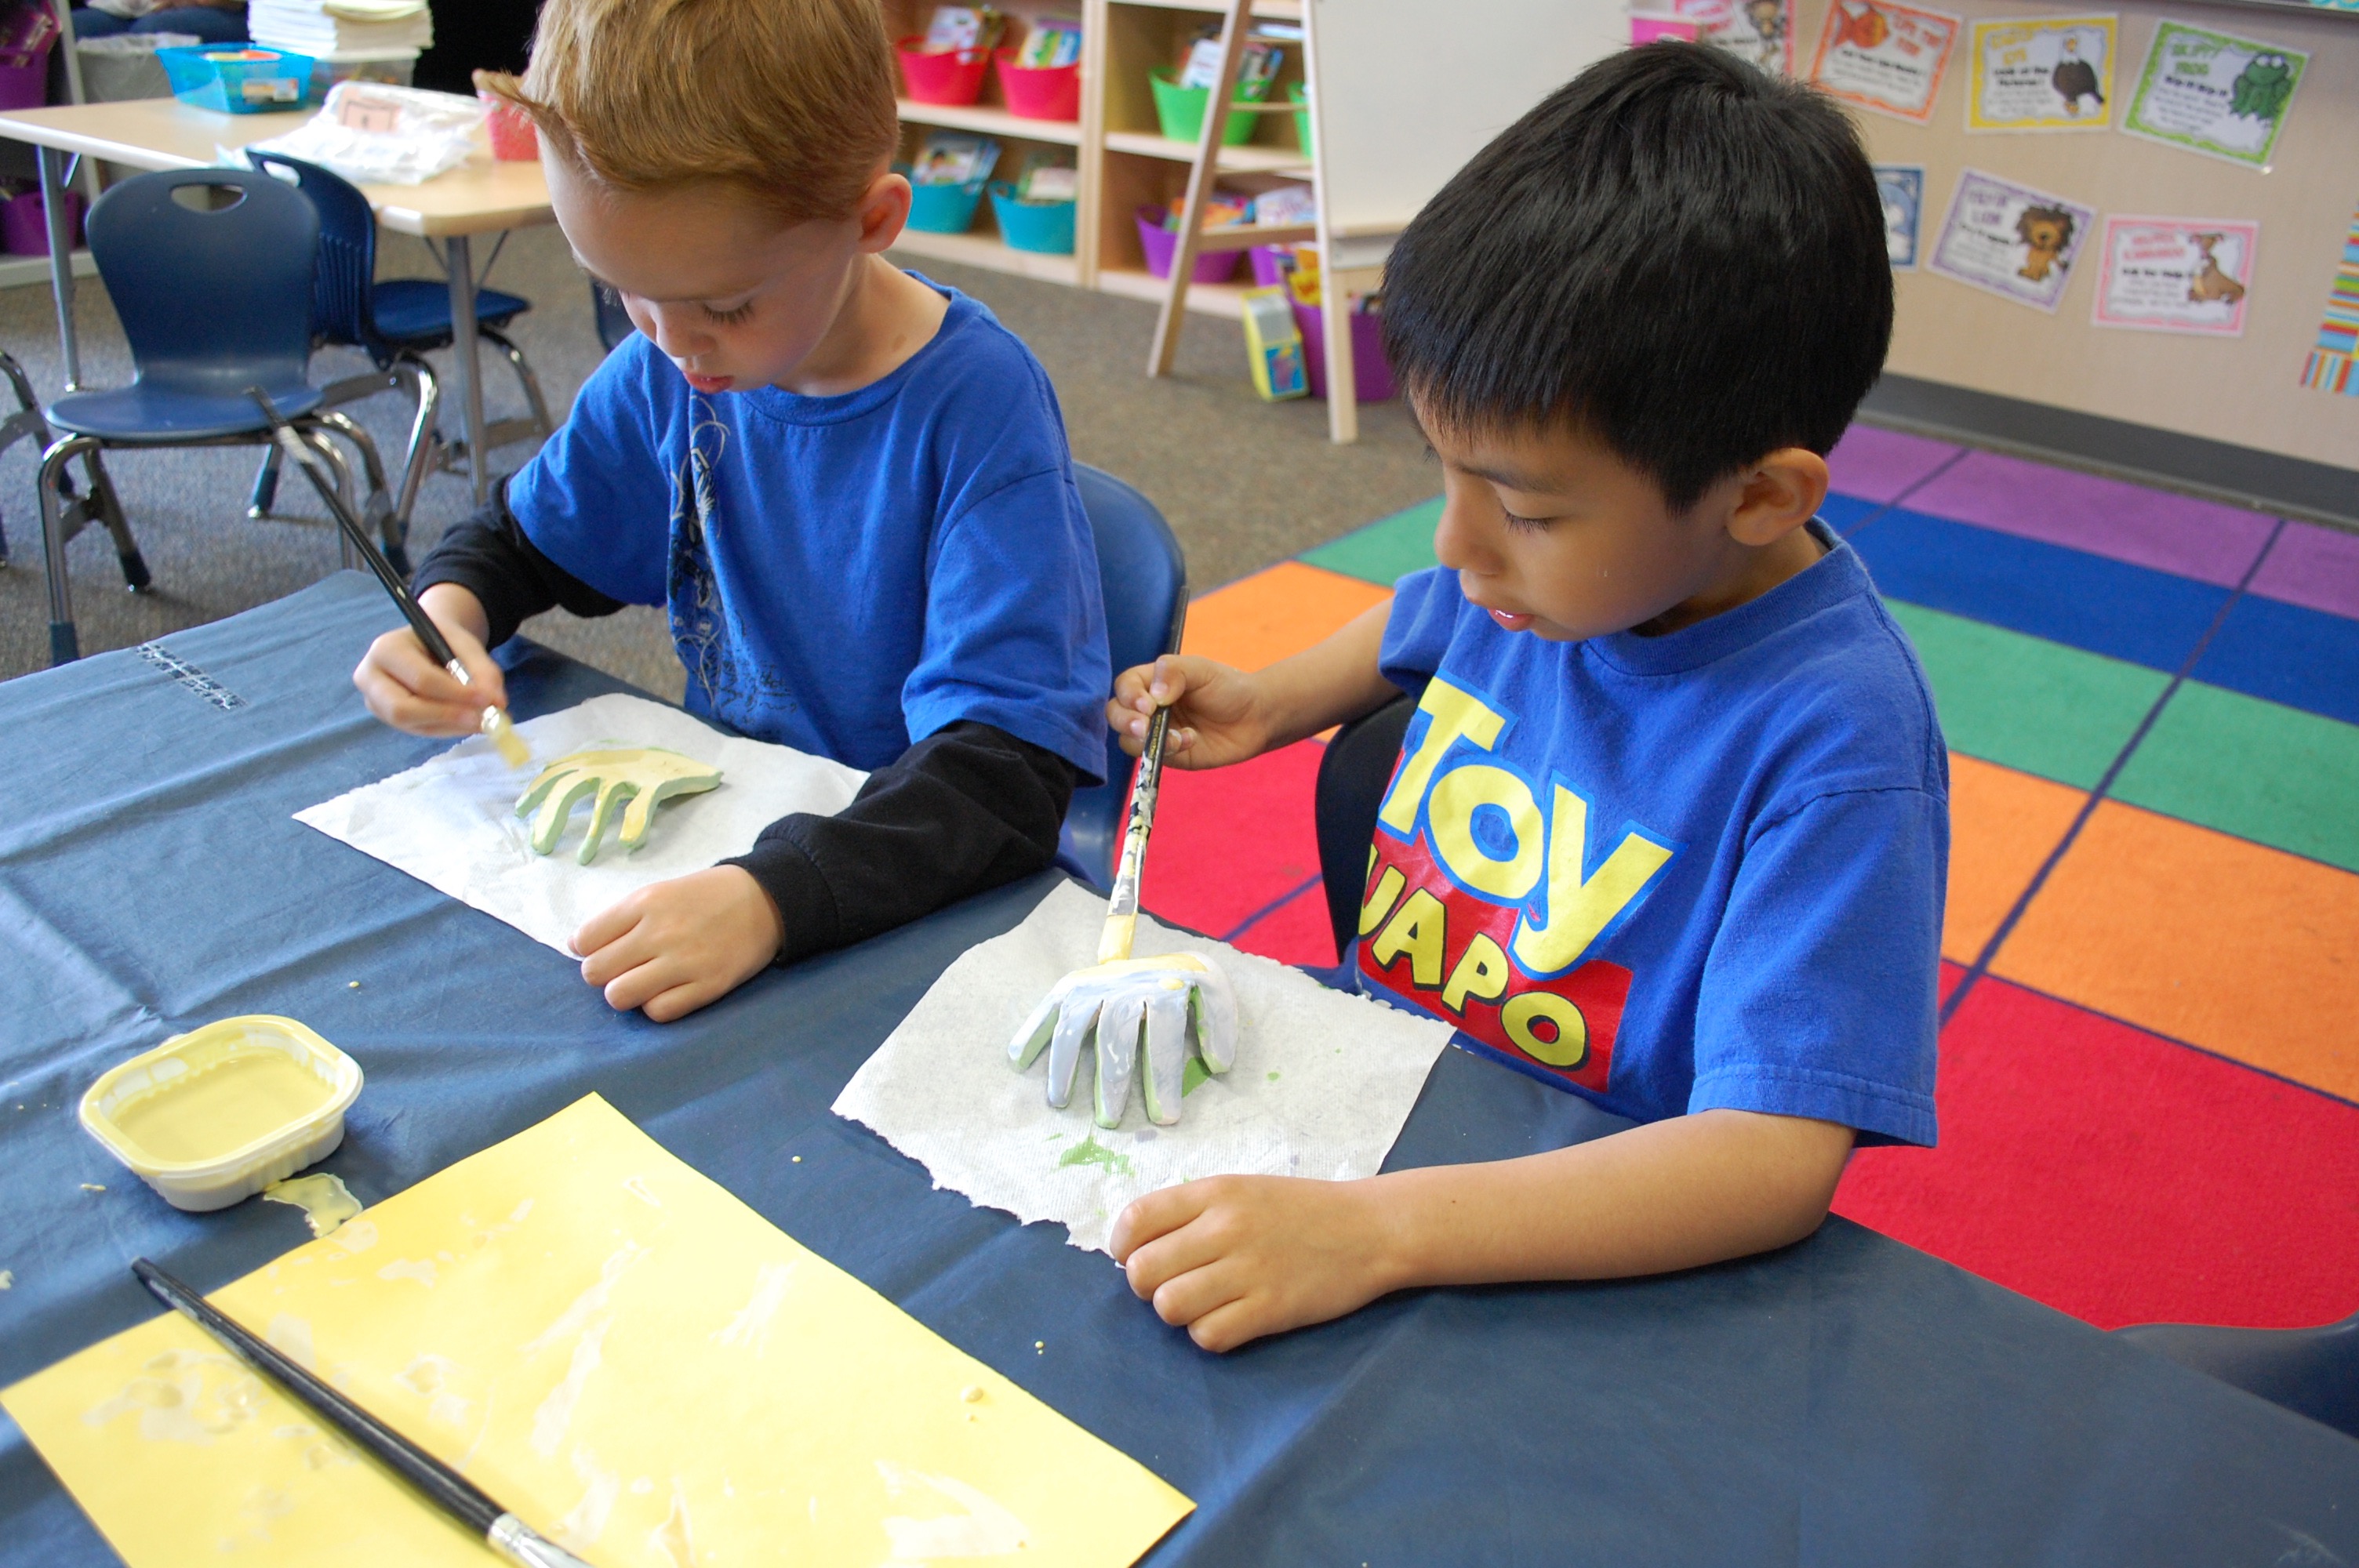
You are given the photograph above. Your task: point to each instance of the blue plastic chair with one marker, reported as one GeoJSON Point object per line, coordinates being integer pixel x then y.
{"type": "Point", "coordinates": [209, 271]}
{"type": "Point", "coordinates": [395, 322]}
{"type": "Point", "coordinates": [2311, 1371]}
{"type": "Point", "coordinates": [1144, 579]}
{"type": "Point", "coordinates": [615, 323]}
{"type": "Point", "coordinates": [26, 421]}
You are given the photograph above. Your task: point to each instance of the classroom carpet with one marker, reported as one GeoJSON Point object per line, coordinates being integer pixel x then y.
{"type": "Point", "coordinates": [2149, 1053]}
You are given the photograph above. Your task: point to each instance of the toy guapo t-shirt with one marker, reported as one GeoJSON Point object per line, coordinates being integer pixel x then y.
{"type": "Point", "coordinates": [1674, 873]}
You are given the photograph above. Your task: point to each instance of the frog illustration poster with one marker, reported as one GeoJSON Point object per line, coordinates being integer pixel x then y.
{"type": "Point", "coordinates": [2214, 92]}
{"type": "Point", "coordinates": [2177, 274]}
{"type": "Point", "coordinates": [2011, 240]}
{"type": "Point", "coordinates": [1901, 187]}
{"type": "Point", "coordinates": [1759, 32]}
{"type": "Point", "coordinates": [2041, 73]}
{"type": "Point", "coordinates": [1883, 55]}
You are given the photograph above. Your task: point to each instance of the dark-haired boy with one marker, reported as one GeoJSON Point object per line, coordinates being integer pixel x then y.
{"type": "Point", "coordinates": [1671, 826]}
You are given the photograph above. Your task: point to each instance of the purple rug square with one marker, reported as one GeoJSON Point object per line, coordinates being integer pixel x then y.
{"type": "Point", "coordinates": [2199, 539]}
{"type": "Point", "coordinates": [2315, 568]}
{"type": "Point", "coordinates": [1880, 465]}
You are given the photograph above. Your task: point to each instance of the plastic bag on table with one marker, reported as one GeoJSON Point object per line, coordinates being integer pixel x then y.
{"type": "Point", "coordinates": [375, 134]}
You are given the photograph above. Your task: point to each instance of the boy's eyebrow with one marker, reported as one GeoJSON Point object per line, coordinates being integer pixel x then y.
{"type": "Point", "coordinates": [1508, 479]}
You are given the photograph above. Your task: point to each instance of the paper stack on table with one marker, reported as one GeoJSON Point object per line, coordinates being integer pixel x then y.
{"type": "Point", "coordinates": [341, 26]}
{"type": "Point", "coordinates": [452, 822]}
{"type": "Point", "coordinates": [1322, 1081]}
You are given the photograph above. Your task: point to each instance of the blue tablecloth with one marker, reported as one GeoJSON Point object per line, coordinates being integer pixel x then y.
{"type": "Point", "coordinates": [1846, 1401]}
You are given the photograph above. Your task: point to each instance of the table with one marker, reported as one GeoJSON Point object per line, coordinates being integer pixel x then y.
{"type": "Point", "coordinates": [164, 132]}
{"type": "Point", "coordinates": [1845, 1400]}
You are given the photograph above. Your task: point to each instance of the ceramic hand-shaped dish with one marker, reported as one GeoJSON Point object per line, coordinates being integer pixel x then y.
{"type": "Point", "coordinates": [637, 780]}
{"type": "Point", "coordinates": [1179, 1004]}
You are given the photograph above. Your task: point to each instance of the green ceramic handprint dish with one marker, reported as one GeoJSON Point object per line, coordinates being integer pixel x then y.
{"type": "Point", "coordinates": [637, 780]}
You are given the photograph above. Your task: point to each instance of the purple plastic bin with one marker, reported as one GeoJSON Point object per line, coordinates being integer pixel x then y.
{"type": "Point", "coordinates": [1159, 243]}
{"type": "Point", "coordinates": [1268, 264]}
{"type": "Point", "coordinates": [1372, 378]}
{"type": "Point", "coordinates": [25, 229]}
{"type": "Point", "coordinates": [25, 86]}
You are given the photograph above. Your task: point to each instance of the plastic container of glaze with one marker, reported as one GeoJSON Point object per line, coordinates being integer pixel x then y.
{"type": "Point", "coordinates": [214, 1116]}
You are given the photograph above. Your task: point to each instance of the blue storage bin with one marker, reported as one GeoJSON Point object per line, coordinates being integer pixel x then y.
{"type": "Point", "coordinates": [1043, 226]}
{"type": "Point", "coordinates": [237, 78]}
{"type": "Point", "coordinates": [944, 209]}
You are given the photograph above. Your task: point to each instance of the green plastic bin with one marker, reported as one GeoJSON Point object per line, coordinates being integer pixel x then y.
{"type": "Point", "coordinates": [1181, 111]}
{"type": "Point", "coordinates": [1297, 95]}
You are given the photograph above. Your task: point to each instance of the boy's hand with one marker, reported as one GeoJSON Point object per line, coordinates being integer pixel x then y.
{"type": "Point", "coordinates": [404, 687]}
{"type": "Point", "coordinates": [1218, 716]}
{"type": "Point", "coordinates": [680, 944]}
{"type": "Point", "coordinates": [1234, 1257]}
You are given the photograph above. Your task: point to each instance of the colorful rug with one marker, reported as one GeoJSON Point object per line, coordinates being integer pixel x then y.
{"type": "Point", "coordinates": [2150, 1076]}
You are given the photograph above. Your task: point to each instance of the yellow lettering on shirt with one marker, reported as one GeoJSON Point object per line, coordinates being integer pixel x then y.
{"type": "Point", "coordinates": [1481, 975]}
{"type": "Point", "coordinates": [1418, 930]}
{"type": "Point", "coordinates": [1452, 714]}
{"type": "Point", "coordinates": [1567, 1041]}
{"type": "Point", "coordinates": [1580, 907]}
{"type": "Point", "coordinates": [1380, 899]}
{"type": "Point", "coordinates": [1457, 796]}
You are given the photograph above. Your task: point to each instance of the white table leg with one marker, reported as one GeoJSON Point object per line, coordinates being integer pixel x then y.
{"type": "Point", "coordinates": [464, 350]}
{"type": "Point", "coordinates": [61, 281]}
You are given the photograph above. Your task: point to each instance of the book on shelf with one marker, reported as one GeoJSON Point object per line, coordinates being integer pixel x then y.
{"type": "Point", "coordinates": [954, 30]}
{"type": "Point", "coordinates": [1053, 41]}
{"type": "Point", "coordinates": [953, 157]}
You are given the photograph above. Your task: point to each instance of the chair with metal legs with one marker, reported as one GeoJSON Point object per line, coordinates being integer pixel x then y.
{"type": "Point", "coordinates": [26, 421]}
{"type": "Point", "coordinates": [395, 322]}
{"type": "Point", "coordinates": [210, 272]}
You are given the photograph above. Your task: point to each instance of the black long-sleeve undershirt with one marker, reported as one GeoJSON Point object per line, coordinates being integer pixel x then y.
{"type": "Point", "coordinates": [963, 810]}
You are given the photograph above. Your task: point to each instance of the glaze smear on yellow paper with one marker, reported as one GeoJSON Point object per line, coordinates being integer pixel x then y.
{"type": "Point", "coordinates": [612, 1347]}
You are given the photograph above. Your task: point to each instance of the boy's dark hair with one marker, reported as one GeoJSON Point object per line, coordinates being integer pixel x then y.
{"type": "Point", "coordinates": [1675, 253]}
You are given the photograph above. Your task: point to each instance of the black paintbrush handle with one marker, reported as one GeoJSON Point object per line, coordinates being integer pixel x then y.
{"type": "Point", "coordinates": [291, 443]}
{"type": "Point", "coordinates": [444, 1486]}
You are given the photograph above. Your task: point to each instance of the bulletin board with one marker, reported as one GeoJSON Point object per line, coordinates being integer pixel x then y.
{"type": "Point", "coordinates": [2067, 340]}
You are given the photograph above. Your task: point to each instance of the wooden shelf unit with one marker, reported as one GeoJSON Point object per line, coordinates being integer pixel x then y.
{"type": "Point", "coordinates": [1124, 160]}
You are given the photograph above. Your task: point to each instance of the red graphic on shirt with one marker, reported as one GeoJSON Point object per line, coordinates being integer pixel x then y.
{"type": "Point", "coordinates": [1452, 959]}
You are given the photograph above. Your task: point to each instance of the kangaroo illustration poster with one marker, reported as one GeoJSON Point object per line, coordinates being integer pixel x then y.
{"type": "Point", "coordinates": [2041, 73]}
{"type": "Point", "coordinates": [1883, 55]}
{"type": "Point", "coordinates": [2011, 240]}
{"type": "Point", "coordinates": [2214, 92]}
{"type": "Point", "coordinates": [2177, 274]}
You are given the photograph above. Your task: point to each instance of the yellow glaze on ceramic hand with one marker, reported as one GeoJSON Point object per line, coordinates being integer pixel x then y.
{"type": "Point", "coordinates": [645, 776]}
{"type": "Point", "coordinates": [612, 1346]}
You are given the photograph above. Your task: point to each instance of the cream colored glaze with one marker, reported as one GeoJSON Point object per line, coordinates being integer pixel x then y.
{"type": "Point", "coordinates": [326, 1202]}
{"type": "Point", "coordinates": [233, 1095]}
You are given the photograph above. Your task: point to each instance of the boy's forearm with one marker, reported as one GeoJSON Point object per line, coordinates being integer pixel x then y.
{"type": "Point", "coordinates": [1670, 1194]}
{"type": "Point", "coordinates": [1332, 681]}
{"type": "Point", "coordinates": [447, 604]}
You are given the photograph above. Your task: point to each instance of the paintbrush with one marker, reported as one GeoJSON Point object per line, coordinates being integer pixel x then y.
{"type": "Point", "coordinates": [496, 722]}
{"type": "Point", "coordinates": [443, 1486]}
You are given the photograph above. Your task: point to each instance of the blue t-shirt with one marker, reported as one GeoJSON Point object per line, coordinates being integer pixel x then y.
{"type": "Point", "coordinates": [845, 575]}
{"type": "Point", "coordinates": [1675, 873]}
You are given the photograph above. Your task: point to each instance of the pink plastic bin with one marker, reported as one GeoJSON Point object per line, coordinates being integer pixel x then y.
{"type": "Point", "coordinates": [1160, 245]}
{"type": "Point", "coordinates": [515, 138]}
{"type": "Point", "coordinates": [952, 77]}
{"type": "Point", "coordinates": [1053, 92]}
{"type": "Point", "coordinates": [25, 229]}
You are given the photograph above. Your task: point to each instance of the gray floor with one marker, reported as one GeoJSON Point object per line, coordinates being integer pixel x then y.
{"type": "Point", "coordinates": [1245, 484]}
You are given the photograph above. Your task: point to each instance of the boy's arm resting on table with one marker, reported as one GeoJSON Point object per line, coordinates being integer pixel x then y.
{"type": "Point", "coordinates": [965, 809]}
{"type": "Point", "coordinates": [1235, 1257]}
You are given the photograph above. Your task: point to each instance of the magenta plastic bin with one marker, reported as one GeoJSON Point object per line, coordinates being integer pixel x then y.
{"type": "Point", "coordinates": [25, 229]}
{"type": "Point", "coordinates": [1159, 244]}
{"type": "Point", "coordinates": [25, 86]}
{"type": "Point", "coordinates": [1372, 378]}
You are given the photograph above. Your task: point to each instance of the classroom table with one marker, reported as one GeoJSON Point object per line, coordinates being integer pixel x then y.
{"type": "Point", "coordinates": [1844, 1400]}
{"type": "Point", "coordinates": [164, 132]}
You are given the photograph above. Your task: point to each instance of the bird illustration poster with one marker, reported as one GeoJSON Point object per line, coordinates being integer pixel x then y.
{"type": "Point", "coordinates": [2214, 92]}
{"type": "Point", "coordinates": [1759, 32]}
{"type": "Point", "coordinates": [1884, 57]}
{"type": "Point", "coordinates": [2177, 274]}
{"type": "Point", "coordinates": [1901, 187]}
{"type": "Point", "coordinates": [2010, 240]}
{"type": "Point", "coordinates": [2042, 73]}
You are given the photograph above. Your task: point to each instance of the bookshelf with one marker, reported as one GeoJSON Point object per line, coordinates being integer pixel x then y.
{"type": "Point", "coordinates": [1124, 160]}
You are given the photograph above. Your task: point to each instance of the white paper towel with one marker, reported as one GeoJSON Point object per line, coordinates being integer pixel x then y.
{"type": "Point", "coordinates": [452, 822]}
{"type": "Point", "coordinates": [1322, 1081]}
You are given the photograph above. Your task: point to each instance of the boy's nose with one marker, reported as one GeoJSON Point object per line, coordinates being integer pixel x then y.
{"type": "Point", "coordinates": [675, 336]}
{"type": "Point", "coordinates": [1459, 542]}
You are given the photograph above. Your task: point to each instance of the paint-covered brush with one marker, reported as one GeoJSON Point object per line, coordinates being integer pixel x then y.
{"type": "Point", "coordinates": [495, 723]}
{"type": "Point", "coordinates": [436, 1482]}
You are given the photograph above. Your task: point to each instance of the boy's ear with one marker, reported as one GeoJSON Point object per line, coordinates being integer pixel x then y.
{"type": "Point", "coordinates": [883, 209]}
{"type": "Point", "coordinates": [1780, 494]}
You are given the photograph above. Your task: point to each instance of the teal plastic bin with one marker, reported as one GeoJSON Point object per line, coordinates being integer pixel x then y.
{"type": "Point", "coordinates": [1043, 226]}
{"type": "Point", "coordinates": [237, 78]}
{"type": "Point", "coordinates": [944, 209]}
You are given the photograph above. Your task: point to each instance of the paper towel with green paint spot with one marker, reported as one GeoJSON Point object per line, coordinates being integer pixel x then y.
{"type": "Point", "coordinates": [1322, 1083]}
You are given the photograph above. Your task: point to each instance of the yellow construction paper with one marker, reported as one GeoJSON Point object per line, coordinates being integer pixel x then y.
{"type": "Point", "coordinates": [614, 1348]}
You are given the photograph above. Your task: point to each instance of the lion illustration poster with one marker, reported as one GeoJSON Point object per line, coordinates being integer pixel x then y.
{"type": "Point", "coordinates": [2010, 240]}
{"type": "Point", "coordinates": [2214, 93]}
